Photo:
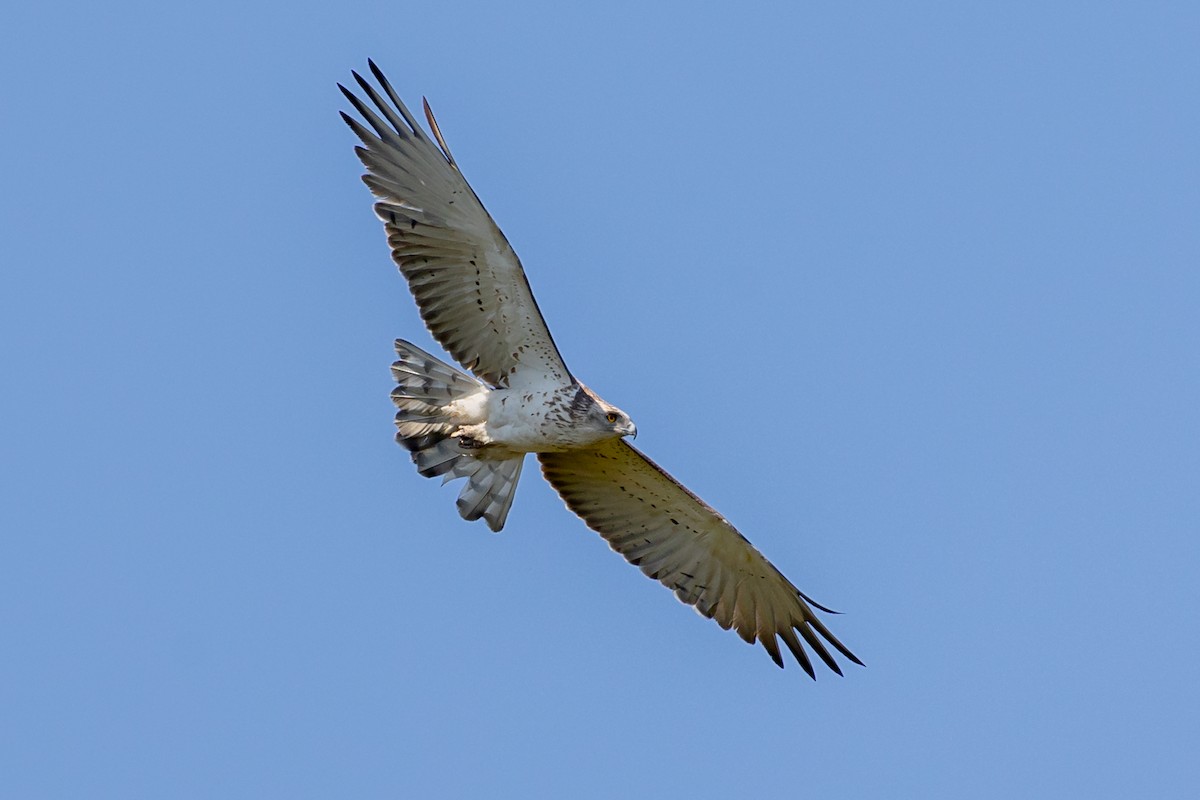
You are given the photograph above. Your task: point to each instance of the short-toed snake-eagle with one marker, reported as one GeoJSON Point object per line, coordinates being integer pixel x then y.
{"type": "Point", "coordinates": [521, 398]}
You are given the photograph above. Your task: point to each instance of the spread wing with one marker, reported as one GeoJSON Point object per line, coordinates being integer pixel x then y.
{"type": "Point", "coordinates": [676, 538]}
{"type": "Point", "coordinates": [468, 282]}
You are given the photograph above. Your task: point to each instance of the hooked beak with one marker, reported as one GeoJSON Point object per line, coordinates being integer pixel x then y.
{"type": "Point", "coordinates": [632, 430]}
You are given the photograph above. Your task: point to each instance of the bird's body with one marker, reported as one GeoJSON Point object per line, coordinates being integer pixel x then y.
{"type": "Point", "coordinates": [501, 422]}
{"type": "Point", "coordinates": [521, 398]}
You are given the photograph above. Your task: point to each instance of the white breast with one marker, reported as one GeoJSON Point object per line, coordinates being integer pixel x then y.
{"type": "Point", "coordinates": [529, 421]}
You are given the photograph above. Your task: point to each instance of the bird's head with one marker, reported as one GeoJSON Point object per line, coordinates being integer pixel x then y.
{"type": "Point", "coordinates": [614, 419]}
{"type": "Point", "coordinates": [601, 419]}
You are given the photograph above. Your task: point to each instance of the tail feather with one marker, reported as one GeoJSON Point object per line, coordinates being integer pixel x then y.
{"type": "Point", "coordinates": [425, 386]}
{"type": "Point", "coordinates": [491, 486]}
{"type": "Point", "coordinates": [439, 458]}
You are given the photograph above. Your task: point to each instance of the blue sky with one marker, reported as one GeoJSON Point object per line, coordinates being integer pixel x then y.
{"type": "Point", "coordinates": [907, 291]}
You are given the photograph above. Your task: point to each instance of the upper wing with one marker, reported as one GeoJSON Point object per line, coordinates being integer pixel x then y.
{"type": "Point", "coordinates": [676, 538]}
{"type": "Point", "coordinates": [468, 282]}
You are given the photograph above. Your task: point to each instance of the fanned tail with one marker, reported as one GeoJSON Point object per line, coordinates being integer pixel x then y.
{"type": "Point", "coordinates": [426, 389]}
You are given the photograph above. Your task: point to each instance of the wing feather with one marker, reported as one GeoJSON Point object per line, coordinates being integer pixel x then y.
{"type": "Point", "coordinates": [468, 283]}
{"type": "Point", "coordinates": [675, 537]}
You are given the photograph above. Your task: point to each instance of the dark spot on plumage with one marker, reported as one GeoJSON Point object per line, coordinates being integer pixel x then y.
{"type": "Point", "coordinates": [416, 443]}
{"type": "Point", "coordinates": [581, 404]}
{"type": "Point", "coordinates": [674, 521]}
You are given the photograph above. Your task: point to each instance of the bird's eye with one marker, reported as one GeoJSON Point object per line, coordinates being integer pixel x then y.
{"type": "Point", "coordinates": [611, 417]}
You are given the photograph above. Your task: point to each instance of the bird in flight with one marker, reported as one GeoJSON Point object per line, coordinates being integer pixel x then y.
{"type": "Point", "coordinates": [519, 397]}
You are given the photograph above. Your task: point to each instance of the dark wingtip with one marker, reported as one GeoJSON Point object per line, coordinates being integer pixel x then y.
{"type": "Point", "coordinates": [772, 647]}
{"type": "Point", "coordinates": [820, 628]}
{"type": "Point", "coordinates": [349, 94]}
{"type": "Point", "coordinates": [375, 70]}
{"type": "Point", "coordinates": [361, 81]}
{"type": "Point", "coordinates": [815, 604]}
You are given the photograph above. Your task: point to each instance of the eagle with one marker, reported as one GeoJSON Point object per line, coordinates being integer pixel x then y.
{"type": "Point", "coordinates": [517, 396]}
